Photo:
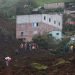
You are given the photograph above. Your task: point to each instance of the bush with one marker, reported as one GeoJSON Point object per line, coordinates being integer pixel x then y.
{"type": "Point", "coordinates": [45, 41]}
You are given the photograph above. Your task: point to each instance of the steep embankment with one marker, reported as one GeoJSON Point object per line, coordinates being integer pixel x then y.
{"type": "Point", "coordinates": [7, 26]}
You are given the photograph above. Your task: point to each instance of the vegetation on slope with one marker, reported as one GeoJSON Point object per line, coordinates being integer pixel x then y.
{"type": "Point", "coordinates": [8, 7]}
{"type": "Point", "coordinates": [42, 2]}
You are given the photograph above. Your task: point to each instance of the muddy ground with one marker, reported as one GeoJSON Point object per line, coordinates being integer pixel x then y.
{"type": "Point", "coordinates": [21, 63]}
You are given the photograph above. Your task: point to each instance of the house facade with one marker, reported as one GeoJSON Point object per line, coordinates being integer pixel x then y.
{"type": "Point", "coordinates": [28, 26]}
{"type": "Point", "coordinates": [54, 5]}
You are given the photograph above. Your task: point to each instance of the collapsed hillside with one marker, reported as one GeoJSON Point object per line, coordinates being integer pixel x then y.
{"type": "Point", "coordinates": [40, 63]}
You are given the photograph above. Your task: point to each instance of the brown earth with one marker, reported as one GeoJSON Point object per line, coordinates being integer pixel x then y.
{"type": "Point", "coordinates": [21, 64]}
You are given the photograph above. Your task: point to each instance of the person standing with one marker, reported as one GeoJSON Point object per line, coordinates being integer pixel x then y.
{"type": "Point", "coordinates": [7, 60]}
{"type": "Point", "coordinates": [71, 49]}
{"type": "Point", "coordinates": [8, 67]}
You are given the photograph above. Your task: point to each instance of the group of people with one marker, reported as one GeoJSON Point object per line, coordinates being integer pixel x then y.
{"type": "Point", "coordinates": [26, 47]}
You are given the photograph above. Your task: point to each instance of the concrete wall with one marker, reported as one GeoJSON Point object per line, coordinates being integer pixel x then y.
{"type": "Point", "coordinates": [29, 31]}
{"type": "Point", "coordinates": [28, 18]}
{"type": "Point", "coordinates": [54, 5]}
{"type": "Point", "coordinates": [40, 18]}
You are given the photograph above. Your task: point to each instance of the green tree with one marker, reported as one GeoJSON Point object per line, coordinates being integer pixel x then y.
{"type": "Point", "coordinates": [25, 6]}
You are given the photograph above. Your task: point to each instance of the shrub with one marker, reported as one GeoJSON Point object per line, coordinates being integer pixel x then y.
{"type": "Point", "coordinates": [45, 41]}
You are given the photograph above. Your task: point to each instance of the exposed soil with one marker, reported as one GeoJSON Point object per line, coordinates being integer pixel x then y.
{"type": "Point", "coordinates": [21, 64]}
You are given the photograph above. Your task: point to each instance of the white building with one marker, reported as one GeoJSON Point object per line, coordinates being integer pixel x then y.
{"type": "Point", "coordinates": [56, 34]}
{"type": "Point", "coordinates": [29, 25]}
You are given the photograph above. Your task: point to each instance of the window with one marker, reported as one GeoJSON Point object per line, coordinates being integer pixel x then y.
{"type": "Point", "coordinates": [49, 19]}
{"type": "Point", "coordinates": [54, 22]}
{"type": "Point", "coordinates": [22, 33]}
{"type": "Point", "coordinates": [57, 33]}
{"type": "Point", "coordinates": [50, 34]}
{"type": "Point", "coordinates": [59, 23]}
{"type": "Point", "coordinates": [44, 17]}
{"type": "Point", "coordinates": [35, 24]}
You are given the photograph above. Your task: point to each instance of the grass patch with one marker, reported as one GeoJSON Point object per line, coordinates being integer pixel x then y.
{"type": "Point", "coordinates": [61, 61]}
{"type": "Point", "coordinates": [39, 66]}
